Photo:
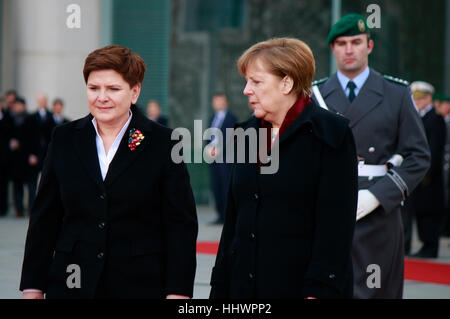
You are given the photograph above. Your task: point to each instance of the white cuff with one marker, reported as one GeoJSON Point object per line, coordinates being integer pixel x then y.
{"type": "Point", "coordinates": [367, 203]}
{"type": "Point", "coordinates": [32, 290]}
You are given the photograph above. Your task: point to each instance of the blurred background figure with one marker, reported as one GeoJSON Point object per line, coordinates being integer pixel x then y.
{"type": "Point", "coordinates": [39, 130]}
{"type": "Point", "coordinates": [220, 171]}
{"type": "Point", "coordinates": [57, 109]}
{"type": "Point", "coordinates": [154, 112]}
{"type": "Point", "coordinates": [6, 125]}
{"type": "Point", "coordinates": [426, 203]}
{"type": "Point", "coordinates": [442, 101]}
{"type": "Point", "coordinates": [10, 98]}
{"type": "Point", "coordinates": [22, 157]}
{"type": "Point", "coordinates": [437, 102]}
{"type": "Point", "coordinates": [4, 152]}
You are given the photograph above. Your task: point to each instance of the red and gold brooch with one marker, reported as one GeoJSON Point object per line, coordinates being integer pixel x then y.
{"type": "Point", "coordinates": [135, 138]}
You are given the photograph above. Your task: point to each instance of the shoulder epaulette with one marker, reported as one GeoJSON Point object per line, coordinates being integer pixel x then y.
{"type": "Point", "coordinates": [396, 80]}
{"type": "Point", "coordinates": [317, 82]}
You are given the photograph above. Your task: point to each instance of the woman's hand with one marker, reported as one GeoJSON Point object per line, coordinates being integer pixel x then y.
{"type": "Point", "coordinates": [33, 295]}
{"type": "Point", "coordinates": [177, 297]}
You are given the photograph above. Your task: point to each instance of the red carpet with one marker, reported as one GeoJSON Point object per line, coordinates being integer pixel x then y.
{"type": "Point", "coordinates": [418, 270]}
{"type": "Point", "coordinates": [207, 247]}
{"type": "Point", "coordinates": [427, 271]}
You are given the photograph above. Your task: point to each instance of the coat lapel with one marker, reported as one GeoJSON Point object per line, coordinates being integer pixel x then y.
{"type": "Point", "coordinates": [369, 97]}
{"type": "Point", "coordinates": [252, 168]}
{"type": "Point", "coordinates": [86, 149]}
{"type": "Point", "coordinates": [335, 97]}
{"type": "Point", "coordinates": [302, 119]}
{"type": "Point", "coordinates": [124, 156]}
{"type": "Point", "coordinates": [312, 119]}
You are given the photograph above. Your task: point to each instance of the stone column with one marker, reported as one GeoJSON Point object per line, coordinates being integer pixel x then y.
{"type": "Point", "coordinates": [43, 49]}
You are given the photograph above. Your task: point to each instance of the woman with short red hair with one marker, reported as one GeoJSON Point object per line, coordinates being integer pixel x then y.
{"type": "Point", "coordinates": [114, 216]}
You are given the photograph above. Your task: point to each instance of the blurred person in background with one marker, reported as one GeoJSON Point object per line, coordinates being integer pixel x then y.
{"type": "Point", "coordinates": [6, 124]}
{"type": "Point", "coordinates": [57, 110]}
{"type": "Point", "coordinates": [219, 169]}
{"type": "Point", "coordinates": [392, 150]}
{"type": "Point", "coordinates": [154, 112]}
{"type": "Point", "coordinates": [111, 200]}
{"type": "Point", "coordinates": [5, 131]}
{"type": "Point", "coordinates": [437, 103]}
{"type": "Point", "coordinates": [10, 98]}
{"type": "Point", "coordinates": [288, 234]}
{"type": "Point", "coordinates": [23, 157]}
{"type": "Point", "coordinates": [426, 202]}
{"type": "Point", "coordinates": [443, 101]}
{"type": "Point", "coordinates": [41, 126]}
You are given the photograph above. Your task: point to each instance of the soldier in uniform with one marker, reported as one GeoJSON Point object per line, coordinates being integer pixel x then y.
{"type": "Point", "coordinates": [392, 149]}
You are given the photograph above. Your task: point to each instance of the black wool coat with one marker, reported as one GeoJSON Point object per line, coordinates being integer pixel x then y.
{"type": "Point", "coordinates": [5, 133]}
{"type": "Point", "coordinates": [40, 132]}
{"type": "Point", "coordinates": [135, 231]}
{"type": "Point", "coordinates": [428, 197]}
{"type": "Point", "coordinates": [289, 234]}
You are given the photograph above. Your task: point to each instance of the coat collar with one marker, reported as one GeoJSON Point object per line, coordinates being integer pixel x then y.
{"type": "Point", "coordinates": [334, 95]}
{"type": "Point", "coordinates": [313, 117]}
{"type": "Point", "coordinates": [370, 95]}
{"type": "Point", "coordinates": [86, 148]}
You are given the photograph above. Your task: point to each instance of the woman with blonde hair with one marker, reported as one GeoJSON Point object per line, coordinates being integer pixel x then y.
{"type": "Point", "coordinates": [289, 234]}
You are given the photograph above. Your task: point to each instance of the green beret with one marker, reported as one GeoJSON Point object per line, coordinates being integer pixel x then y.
{"type": "Point", "coordinates": [438, 96]}
{"type": "Point", "coordinates": [351, 24]}
{"type": "Point", "coordinates": [441, 97]}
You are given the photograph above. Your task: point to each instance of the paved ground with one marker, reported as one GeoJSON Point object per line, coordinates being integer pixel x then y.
{"type": "Point", "coordinates": [12, 238]}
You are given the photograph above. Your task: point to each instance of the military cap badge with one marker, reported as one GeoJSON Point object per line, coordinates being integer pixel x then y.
{"type": "Point", "coordinates": [361, 26]}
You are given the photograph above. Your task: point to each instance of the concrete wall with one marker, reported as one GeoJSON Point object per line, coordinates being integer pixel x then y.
{"type": "Point", "coordinates": [41, 54]}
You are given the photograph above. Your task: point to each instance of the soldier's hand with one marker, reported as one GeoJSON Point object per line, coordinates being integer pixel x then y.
{"type": "Point", "coordinates": [367, 203]}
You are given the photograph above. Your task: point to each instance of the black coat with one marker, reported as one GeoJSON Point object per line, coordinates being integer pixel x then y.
{"type": "Point", "coordinates": [289, 234]}
{"type": "Point", "coordinates": [220, 171]}
{"type": "Point", "coordinates": [428, 197]}
{"type": "Point", "coordinates": [20, 130]}
{"type": "Point", "coordinates": [137, 228]}
{"type": "Point", "coordinates": [40, 134]}
{"type": "Point", "coordinates": [228, 122]}
{"type": "Point", "coordinates": [5, 133]}
{"type": "Point", "coordinates": [162, 120]}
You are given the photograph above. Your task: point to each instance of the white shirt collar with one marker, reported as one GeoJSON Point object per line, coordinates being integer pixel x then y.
{"type": "Point", "coordinates": [425, 110]}
{"type": "Point", "coordinates": [43, 112]}
{"type": "Point", "coordinates": [219, 117]}
{"type": "Point", "coordinates": [103, 158]}
{"type": "Point", "coordinates": [58, 118]}
{"type": "Point", "coordinates": [359, 80]}
{"type": "Point", "coordinates": [221, 114]}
